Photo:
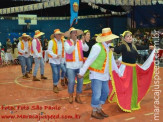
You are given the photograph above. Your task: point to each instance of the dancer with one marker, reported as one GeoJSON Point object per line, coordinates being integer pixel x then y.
{"type": "Point", "coordinates": [74, 60]}
{"type": "Point", "coordinates": [55, 54]}
{"type": "Point", "coordinates": [97, 62]}
{"type": "Point", "coordinates": [24, 47]}
{"type": "Point", "coordinates": [36, 50]}
{"type": "Point", "coordinates": [130, 82]}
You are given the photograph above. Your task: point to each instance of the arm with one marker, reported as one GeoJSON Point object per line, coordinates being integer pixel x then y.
{"type": "Point", "coordinates": [50, 51]}
{"type": "Point", "coordinates": [19, 48]}
{"type": "Point", "coordinates": [119, 49]}
{"type": "Point", "coordinates": [69, 49]}
{"type": "Point", "coordinates": [85, 47]}
{"type": "Point", "coordinates": [91, 58]}
{"type": "Point", "coordinates": [34, 48]}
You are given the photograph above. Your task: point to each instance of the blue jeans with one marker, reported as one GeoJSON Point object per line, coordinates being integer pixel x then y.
{"type": "Point", "coordinates": [38, 62]}
{"type": "Point", "coordinates": [31, 60]}
{"type": "Point", "coordinates": [71, 73]}
{"type": "Point", "coordinates": [56, 72]}
{"type": "Point", "coordinates": [25, 64]}
{"type": "Point", "coordinates": [100, 91]}
{"type": "Point", "coordinates": [63, 72]}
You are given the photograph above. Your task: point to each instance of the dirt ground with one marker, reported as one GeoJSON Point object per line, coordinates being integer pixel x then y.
{"type": "Point", "coordinates": [23, 98]}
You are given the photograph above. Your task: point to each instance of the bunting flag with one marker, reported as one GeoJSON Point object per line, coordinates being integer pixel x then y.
{"type": "Point", "coordinates": [130, 82]}
{"type": "Point", "coordinates": [74, 8]}
{"type": "Point", "coordinates": [37, 6]}
{"type": "Point", "coordinates": [124, 2]}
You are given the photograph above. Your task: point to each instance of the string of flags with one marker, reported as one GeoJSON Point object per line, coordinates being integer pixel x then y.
{"type": "Point", "coordinates": [124, 2]}
{"type": "Point", "coordinates": [64, 18]}
{"type": "Point", "coordinates": [105, 10]}
{"type": "Point", "coordinates": [36, 6]}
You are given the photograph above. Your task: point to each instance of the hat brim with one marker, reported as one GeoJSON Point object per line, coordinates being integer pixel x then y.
{"type": "Point", "coordinates": [106, 38]}
{"type": "Point", "coordinates": [52, 36]}
{"type": "Point", "coordinates": [38, 35]}
{"type": "Point", "coordinates": [26, 36]}
{"type": "Point", "coordinates": [79, 32]}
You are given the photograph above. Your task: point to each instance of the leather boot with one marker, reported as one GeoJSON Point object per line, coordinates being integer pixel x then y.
{"type": "Point", "coordinates": [62, 82]}
{"type": "Point", "coordinates": [102, 113]}
{"type": "Point", "coordinates": [35, 79]}
{"type": "Point", "coordinates": [96, 115]}
{"type": "Point", "coordinates": [77, 99]}
{"type": "Point", "coordinates": [66, 81]}
{"type": "Point", "coordinates": [26, 75]}
{"type": "Point", "coordinates": [43, 77]}
{"type": "Point", "coordinates": [55, 89]}
{"type": "Point", "coordinates": [70, 98]}
{"type": "Point", "coordinates": [30, 72]}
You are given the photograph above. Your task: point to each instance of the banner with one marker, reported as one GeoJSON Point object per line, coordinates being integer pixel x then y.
{"type": "Point", "coordinates": [74, 8]}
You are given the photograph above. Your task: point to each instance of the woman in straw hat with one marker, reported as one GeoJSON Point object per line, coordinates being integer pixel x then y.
{"type": "Point", "coordinates": [130, 82]}
{"type": "Point", "coordinates": [97, 63]}
{"type": "Point", "coordinates": [55, 54]}
{"type": "Point", "coordinates": [36, 51]}
{"type": "Point", "coordinates": [74, 60]}
{"type": "Point", "coordinates": [24, 47]}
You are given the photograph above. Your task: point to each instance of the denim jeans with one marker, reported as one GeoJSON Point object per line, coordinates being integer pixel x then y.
{"type": "Point", "coordinates": [63, 72]}
{"type": "Point", "coordinates": [38, 62]}
{"type": "Point", "coordinates": [31, 60]}
{"type": "Point", "coordinates": [100, 91]}
{"type": "Point", "coordinates": [56, 72]}
{"type": "Point", "coordinates": [72, 73]}
{"type": "Point", "coordinates": [25, 64]}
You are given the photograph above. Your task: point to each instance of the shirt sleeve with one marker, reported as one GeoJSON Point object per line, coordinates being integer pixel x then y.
{"type": "Point", "coordinates": [19, 48]}
{"type": "Point", "coordinates": [69, 49]}
{"type": "Point", "coordinates": [34, 48]}
{"type": "Point", "coordinates": [119, 49]}
{"type": "Point", "coordinates": [85, 47]}
{"type": "Point", "coordinates": [50, 51]}
{"type": "Point", "coordinates": [91, 58]}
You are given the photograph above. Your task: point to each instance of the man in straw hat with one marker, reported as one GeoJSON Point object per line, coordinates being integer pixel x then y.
{"type": "Point", "coordinates": [36, 50]}
{"type": "Point", "coordinates": [55, 54]}
{"type": "Point", "coordinates": [24, 47]}
{"type": "Point", "coordinates": [97, 62]}
{"type": "Point", "coordinates": [74, 60]}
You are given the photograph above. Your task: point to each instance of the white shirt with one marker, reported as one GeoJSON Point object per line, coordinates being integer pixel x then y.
{"type": "Point", "coordinates": [26, 49]}
{"type": "Point", "coordinates": [95, 51]}
{"type": "Point", "coordinates": [35, 52]}
{"type": "Point", "coordinates": [69, 49]}
{"type": "Point", "coordinates": [54, 60]}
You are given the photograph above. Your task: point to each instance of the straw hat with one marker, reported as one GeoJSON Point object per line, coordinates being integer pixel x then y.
{"type": "Point", "coordinates": [24, 35]}
{"type": "Point", "coordinates": [56, 31]}
{"type": "Point", "coordinates": [106, 35]}
{"type": "Point", "coordinates": [38, 33]}
{"type": "Point", "coordinates": [67, 33]}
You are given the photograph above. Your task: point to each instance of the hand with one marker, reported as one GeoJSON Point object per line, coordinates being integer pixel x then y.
{"type": "Point", "coordinates": [118, 62]}
{"type": "Point", "coordinates": [39, 58]}
{"type": "Point", "coordinates": [83, 39]}
{"type": "Point", "coordinates": [74, 43]}
{"type": "Point", "coordinates": [79, 76]}
{"type": "Point", "coordinates": [58, 56]}
{"type": "Point", "coordinates": [111, 49]}
{"type": "Point", "coordinates": [151, 47]}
